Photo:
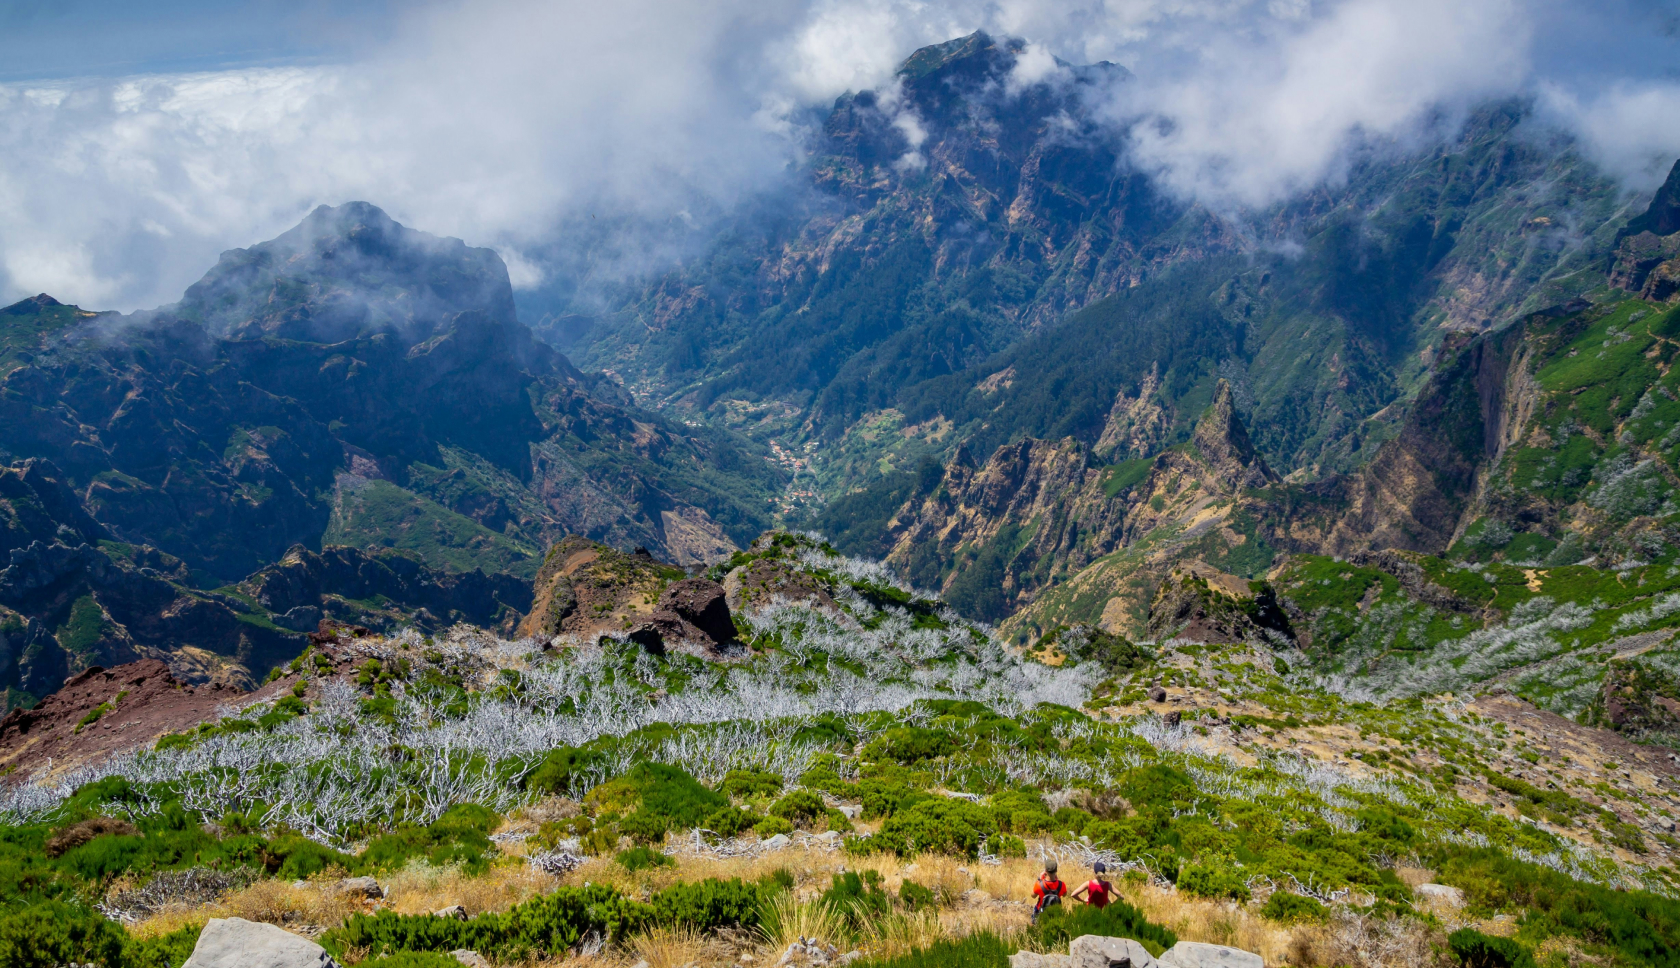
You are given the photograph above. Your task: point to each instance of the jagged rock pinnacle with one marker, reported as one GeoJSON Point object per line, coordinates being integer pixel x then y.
{"type": "Point", "coordinates": [1224, 444]}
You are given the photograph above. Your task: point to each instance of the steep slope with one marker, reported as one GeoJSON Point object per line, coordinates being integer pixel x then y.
{"type": "Point", "coordinates": [360, 382]}
{"type": "Point", "coordinates": [971, 262]}
{"type": "Point", "coordinates": [1038, 513]}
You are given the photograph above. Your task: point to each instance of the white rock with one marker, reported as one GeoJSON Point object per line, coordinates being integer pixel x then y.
{"type": "Point", "coordinates": [851, 811]}
{"type": "Point", "coordinates": [455, 911]}
{"type": "Point", "coordinates": [238, 943]}
{"type": "Point", "coordinates": [1032, 959]}
{"type": "Point", "coordinates": [777, 842]}
{"type": "Point", "coordinates": [829, 836]}
{"type": "Point", "coordinates": [1194, 954]}
{"type": "Point", "coordinates": [1096, 951]}
{"type": "Point", "coordinates": [365, 886]}
{"type": "Point", "coordinates": [1442, 893]}
{"type": "Point", "coordinates": [471, 959]}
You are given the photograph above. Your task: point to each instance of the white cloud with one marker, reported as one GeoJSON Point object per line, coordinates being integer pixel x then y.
{"type": "Point", "coordinates": [1631, 127]}
{"type": "Point", "coordinates": [500, 120]}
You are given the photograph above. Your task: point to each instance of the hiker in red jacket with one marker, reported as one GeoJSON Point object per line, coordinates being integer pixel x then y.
{"type": "Point", "coordinates": [1099, 891]}
{"type": "Point", "coordinates": [1048, 889]}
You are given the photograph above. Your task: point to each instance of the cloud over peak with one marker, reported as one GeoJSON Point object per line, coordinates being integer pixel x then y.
{"type": "Point", "coordinates": [499, 120]}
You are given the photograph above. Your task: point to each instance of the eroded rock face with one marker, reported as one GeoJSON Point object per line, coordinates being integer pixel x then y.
{"type": "Point", "coordinates": [591, 591]}
{"type": "Point", "coordinates": [703, 604]}
{"type": "Point", "coordinates": [238, 943]}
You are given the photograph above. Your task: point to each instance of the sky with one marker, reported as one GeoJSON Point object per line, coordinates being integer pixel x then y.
{"type": "Point", "coordinates": [138, 141]}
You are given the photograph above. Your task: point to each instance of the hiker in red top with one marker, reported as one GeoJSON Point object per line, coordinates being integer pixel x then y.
{"type": "Point", "coordinates": [1048, 889]}
{"type": "Point", "coordinates": [1099, 892]}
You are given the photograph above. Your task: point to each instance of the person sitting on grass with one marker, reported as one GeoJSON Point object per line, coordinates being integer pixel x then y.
{"type": "Point", "coordinates": [1048, 889]}
{"type": "Point", "coordinates": [1099, 891]}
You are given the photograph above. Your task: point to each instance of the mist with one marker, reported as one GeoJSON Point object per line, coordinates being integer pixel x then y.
{"type": "Point", "coordinates": [519, 125]}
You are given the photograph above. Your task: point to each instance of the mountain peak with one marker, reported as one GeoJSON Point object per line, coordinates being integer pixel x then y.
{"type": "Point", "coordinates": [934, 57]}
{"type": "Point", "coordinates": [1662, 217]}
{"type": "Point", "coordinates": [345, 272]}
{"type": "Point", "coordinates": [31, 306]}
{"type": "Point", "coordinates": [1224, 442]}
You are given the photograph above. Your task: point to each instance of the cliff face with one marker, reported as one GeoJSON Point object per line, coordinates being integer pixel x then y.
{"type": "Point", "coordinates": [1036, 514]}
{"type": "Point", "coordinates": [364, 383]}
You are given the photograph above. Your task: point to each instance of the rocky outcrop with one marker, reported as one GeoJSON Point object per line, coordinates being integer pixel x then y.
{"type": "Point", "coordinates": [1136, 426]}
{"type": "Point", "coordinates": [1638, 700]}
{"type": "Point", "coordinates": [1198, 603]}
{"type": "Point", "coordinates": [1647, 256]}
{"type": "Point", "coordinates": [587, 591]}
{"type": "Point", "coordinates": [1228, 456]}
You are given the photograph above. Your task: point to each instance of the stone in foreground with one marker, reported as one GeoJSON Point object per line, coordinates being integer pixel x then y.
{"type": "Point", "coordinates": [1195, 954]}
{"type": "Point", "coordinates": [1096, 951]}
{"type": "Point", "coordinates": [238, 943]}
{"type": "Point", "coordinates": [1032, 959]}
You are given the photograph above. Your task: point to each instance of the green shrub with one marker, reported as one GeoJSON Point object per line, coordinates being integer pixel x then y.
{"type": "Point", "coordinates": [1212, 880]}
{"type": "Point", "coordinates": [1477, 950]}
{"type": "Point", "coordinates": [771, 826]}
{"type": "Point", "coordinates": [857, 898]}
{"type": "Point", "coordinates": [980, 950]}
{"type": "Point", "coordinates": [1287, 908]}
{"type": "Point", "coordinates": [749, 783]}
{"type": "Point", "coordinates": [461, 835]}
{"type": "Point", "coordinates": [1060, 924]}
{"type": "Point", "coordinates": [709, 904]}
{"type": "Point", "coordinates": [799, 807]}
{"type": "Point", "coordinates": [556, 772]}
{"type": "Point", "coordinates": [295, 858]}
{"type": "Point", "coordinates": [165, 951]}
{"type": "Point", "coordinates": [937, 826]}
{"type": "Point", "coordinates": [730, 821]}
{"type": "Point", "coordinates": [1020, 812]}
{"type": "Point", "coordinates": [54, 933]}
{"type": "Point", "coordinates": [1006, 845]}
{"type": "Point", "coordinates": [657, 798]}
{"type": "Point", "coordinates": [642, 858]}
{"type": "Point", "coordinates": [883, 798]}
{"type": "Point", "coordinates": [1641, 926]}
{"type": "Point", "coordinates": [412, 959]}
{"type": "Point", "coordinates": [911, 744]}
{"type": "Point", "coordinates": [548, 924]}
{"type": "Point", "coordinates": [915, 897]}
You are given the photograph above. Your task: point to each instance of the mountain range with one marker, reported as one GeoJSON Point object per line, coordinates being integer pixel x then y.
{"type": "Point", "coordinates": [972, 340]}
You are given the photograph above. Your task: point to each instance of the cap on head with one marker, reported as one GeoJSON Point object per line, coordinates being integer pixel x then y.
{"type": "Point", "coordinates": [1099, 868]}
{"type": "Point", "coordinates": [1050, 866]}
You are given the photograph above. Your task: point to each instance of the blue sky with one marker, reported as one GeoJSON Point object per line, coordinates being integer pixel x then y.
{"type": "Point", "coordinates": [70, 38]}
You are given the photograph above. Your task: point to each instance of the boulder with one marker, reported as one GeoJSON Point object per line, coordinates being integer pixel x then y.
{"type": "Point", "coordinates": [365, 886]}
{"type": "Point", "coordinates": [1194, 954]}
{"type": "Point", "coordinates": [1096, 951]}
{"type": "Point", "coordinates": [455, 911]}
{"type": "Point", "coordinates": [777, 842]}
{"type": "Point", "coordinates": [238, 943]}
{"type": "Point", "coordinates": [1032, 959]}
{"type": "Point", "coordinates": [473, 959]}
{"type": "Point", "coordinates": [1157, 694]}
{"type": "Point", "coordinates": [1442, 893]}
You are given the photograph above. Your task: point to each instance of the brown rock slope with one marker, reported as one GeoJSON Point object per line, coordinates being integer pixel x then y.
{"type": "Point", "coordinates": [100, 712]}
{"type": "Point", "coordinates": [588, 591]}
